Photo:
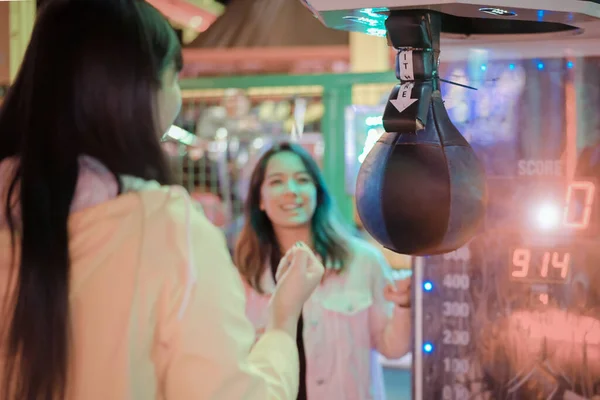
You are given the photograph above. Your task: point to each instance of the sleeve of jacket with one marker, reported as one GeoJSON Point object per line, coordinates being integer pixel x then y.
{"type": "Point", "coordinates": [256, 310]}
{"type": "Point", "coordinates": [390, 326]}
{"type": "Point", "coordinates": [207, 343]}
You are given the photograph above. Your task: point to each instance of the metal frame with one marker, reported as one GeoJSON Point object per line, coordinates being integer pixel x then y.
{"type": "Point", "coordinates": [328, 81]}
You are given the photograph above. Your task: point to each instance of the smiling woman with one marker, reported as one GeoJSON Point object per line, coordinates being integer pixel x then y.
{"type": "Point", "coordinates": [288, 202]}
{"type": "Point", "coordinates": [288, 193]}
{"type": "Point", "coordinates": [287, 190]}
{"type": "Point", "coordinates": [352, 311]}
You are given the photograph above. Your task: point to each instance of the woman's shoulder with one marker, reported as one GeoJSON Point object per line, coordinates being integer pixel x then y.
{"type": "Point", "coordinates": [176, 230]}
{"type": "Point", "coordinates": [159, 199]}
{"type": "Point", "coordinates": [171, 208]}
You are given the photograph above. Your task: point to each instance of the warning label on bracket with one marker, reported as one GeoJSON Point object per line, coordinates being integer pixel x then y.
{"type": "Point", "coordinates": [405, 65]}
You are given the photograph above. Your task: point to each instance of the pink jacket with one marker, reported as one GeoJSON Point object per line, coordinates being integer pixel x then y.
{"type": "Point", "coordinates": [157, 307]}
{"type": "Point", "coordinates": [344, 321]}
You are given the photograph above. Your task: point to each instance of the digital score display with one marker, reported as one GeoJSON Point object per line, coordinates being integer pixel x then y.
{"type": "Point", "coordinates": [515, 314]}
{"type": "Point", "coordinates": [580, 204]}
{"type": "Point", "coordinates": [539, 265]}
{"type": "Point", "coordinates": [549, 206]}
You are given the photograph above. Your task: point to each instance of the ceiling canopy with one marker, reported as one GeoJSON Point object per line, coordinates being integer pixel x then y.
{"type": "Point", "coordinates": [267, 23]}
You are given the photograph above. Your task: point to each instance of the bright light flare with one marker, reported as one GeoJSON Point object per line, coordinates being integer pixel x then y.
{"type": "Point", "coordinates": [180, 135]}
{"type": "Point", "coordinates": [547, 216]}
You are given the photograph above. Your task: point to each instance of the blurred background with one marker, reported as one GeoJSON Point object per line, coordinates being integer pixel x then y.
{"type": "Point", "coordinates": [257, 71]}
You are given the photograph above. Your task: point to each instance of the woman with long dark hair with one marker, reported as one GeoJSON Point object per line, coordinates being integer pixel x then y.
{"type": "Point", "coordinates": [357, 308]}
{"type": "Point", "coordinates": [103, 296]}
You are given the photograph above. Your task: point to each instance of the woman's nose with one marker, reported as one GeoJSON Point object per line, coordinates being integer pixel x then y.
{"type": "Point", "coordinates": [292, 186]}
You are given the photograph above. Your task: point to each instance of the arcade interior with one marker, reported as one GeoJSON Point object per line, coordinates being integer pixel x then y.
{"type": "Point", "coordinates": [486, 196]}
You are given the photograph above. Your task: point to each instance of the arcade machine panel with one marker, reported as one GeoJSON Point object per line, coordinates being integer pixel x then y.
{"type": "Point", "coordinates": [515, 313]}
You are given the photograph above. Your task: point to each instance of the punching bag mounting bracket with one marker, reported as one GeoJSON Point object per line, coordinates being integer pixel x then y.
{"type": "Point", "coordinates": [421, 189]}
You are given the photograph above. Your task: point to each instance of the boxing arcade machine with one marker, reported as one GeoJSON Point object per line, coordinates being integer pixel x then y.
{"type": "Point", "coordinates": [506, 287]}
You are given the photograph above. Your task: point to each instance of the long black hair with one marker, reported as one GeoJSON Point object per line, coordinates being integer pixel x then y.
{"type": "Point", "coordinates": [87, 86]}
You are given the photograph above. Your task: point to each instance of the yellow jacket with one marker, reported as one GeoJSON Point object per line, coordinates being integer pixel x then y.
{"type": "Point", "coordinates": [158, 308]}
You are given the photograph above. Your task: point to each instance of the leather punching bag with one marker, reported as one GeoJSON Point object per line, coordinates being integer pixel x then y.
{"type": "Point", "coordinates": [421, 190]}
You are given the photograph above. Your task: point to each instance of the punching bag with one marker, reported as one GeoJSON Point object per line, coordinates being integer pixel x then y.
{"type": "Point", "coordinates": [421, 190]}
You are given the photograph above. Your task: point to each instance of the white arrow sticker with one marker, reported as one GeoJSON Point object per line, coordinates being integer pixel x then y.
{"type": "Point", "coordinates": [404, 100]}
{"type": "Point", "coordinates": [405, 61]}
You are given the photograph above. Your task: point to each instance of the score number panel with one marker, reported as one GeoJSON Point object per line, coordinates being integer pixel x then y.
{"type": "Point", "coordinates": [515, 314]}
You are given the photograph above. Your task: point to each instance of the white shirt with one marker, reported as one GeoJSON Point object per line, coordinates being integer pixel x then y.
{"type": "Point", "coordinates": [346, 322]}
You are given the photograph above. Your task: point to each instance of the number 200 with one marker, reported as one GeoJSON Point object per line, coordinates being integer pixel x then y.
{"type": "Point", "coordinates": [456, 337]}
